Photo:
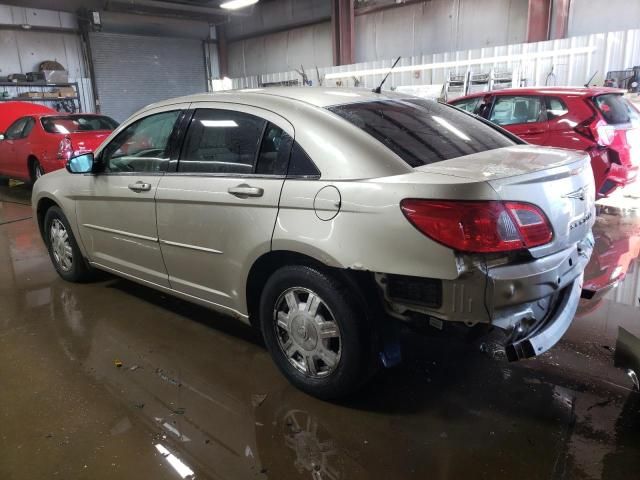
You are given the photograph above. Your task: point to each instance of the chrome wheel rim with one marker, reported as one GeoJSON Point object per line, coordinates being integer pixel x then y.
{"type": "Point", "coordinates": [38, 171]}
{"type": "Point", "coordinates": [60, 245]}
{"type": "Point", "coordinates": [307, 332]}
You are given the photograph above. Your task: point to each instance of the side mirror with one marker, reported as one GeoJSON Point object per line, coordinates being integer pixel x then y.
{"type": "Point", "coordinates": [81, 163]}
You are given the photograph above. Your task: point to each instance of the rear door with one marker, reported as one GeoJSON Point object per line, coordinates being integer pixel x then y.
{"type": "Point", "coordinates": [522, 115]}
{"type": "Point", "coordinates": [217, 210]}
{"type": "Point", "coordinates": [115, 208]}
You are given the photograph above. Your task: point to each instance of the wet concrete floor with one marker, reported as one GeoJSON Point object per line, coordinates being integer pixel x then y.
{"type": "Point", "coordinates": [114, 380]}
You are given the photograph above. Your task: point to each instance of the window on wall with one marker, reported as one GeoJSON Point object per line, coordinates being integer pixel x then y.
{"type": "Point", "coordinates": [511, 110]}
{"type": "Point", "coordinates": [143, 146]}
{"type": "Point", "coordinates": [224, 141]}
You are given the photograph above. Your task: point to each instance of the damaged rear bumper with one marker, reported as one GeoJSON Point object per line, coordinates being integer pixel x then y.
{"type": "Point", "coordinates": [549, 331]}
{"type": "Point", "coordinates": [534, 302]}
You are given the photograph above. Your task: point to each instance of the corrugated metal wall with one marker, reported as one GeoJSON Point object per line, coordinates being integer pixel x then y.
{"type": "Point", "coordinates": [133, 71]}
{"type": "Point", "coordinates": [567, 59]}
{"type": "Point", "coordinates": [438, 26]}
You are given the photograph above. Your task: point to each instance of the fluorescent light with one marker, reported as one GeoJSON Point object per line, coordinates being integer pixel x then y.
{"type": "Point", "coordinates": [236, 4]}
{"type": "Point", "coordinates": [460, 63]}
{"type": "Point", "coordinates": [218, 123]}
{"type": "Point", "coordinates": [177, 464]}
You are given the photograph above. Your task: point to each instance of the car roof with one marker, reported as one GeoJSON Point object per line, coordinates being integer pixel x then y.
{"type": "Point", "coordinates": [316, 96]}
{"type": "Point", "coordinates": [572, 91]}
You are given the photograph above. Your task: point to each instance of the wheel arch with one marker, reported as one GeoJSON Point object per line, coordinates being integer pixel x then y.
{"type": "Point", "coordinates": [361, 282]}
{"type": "Point", "coordinates": [44, 204]}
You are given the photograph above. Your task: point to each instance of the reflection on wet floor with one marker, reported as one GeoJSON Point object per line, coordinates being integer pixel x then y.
{"type": "Point", "coordinates": [114, 380]}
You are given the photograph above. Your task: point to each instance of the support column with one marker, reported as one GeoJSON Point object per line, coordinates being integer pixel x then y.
{"type": "Point", "coordinates": [342, 24]}
{"type": "Point", "coordinates": [559, 25]}
{"type": "Point", "coordinates": [538, 20]}
{"type": "Point", "coordinates": [223, 62]}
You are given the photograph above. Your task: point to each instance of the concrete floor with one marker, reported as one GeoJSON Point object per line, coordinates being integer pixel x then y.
{"type": "Point", "coordinates": [197, 392]}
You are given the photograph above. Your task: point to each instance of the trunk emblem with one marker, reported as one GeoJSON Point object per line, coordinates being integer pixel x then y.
{"type": "Point", "coordinates": [577, 194]}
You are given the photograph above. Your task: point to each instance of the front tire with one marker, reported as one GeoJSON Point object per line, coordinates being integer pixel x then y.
{"type": "Point", "coordinates": [63, 249]}
{"type": "Point", "coordinates": [316, 333]}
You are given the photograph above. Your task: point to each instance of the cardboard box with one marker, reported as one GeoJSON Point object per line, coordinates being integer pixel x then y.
{"type": "Point", "coordinates": [30, 95]}
{"type": "Point", "coordinates": [66, 92]}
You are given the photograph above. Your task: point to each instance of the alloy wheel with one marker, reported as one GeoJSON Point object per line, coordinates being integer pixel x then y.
{"type": "Point", "coordinates": [61, 245]}
{"type": "Point", "coordinates": [307, 332]}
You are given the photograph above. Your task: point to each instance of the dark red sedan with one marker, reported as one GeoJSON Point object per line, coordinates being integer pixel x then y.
{"type": "Point", "coordinates": [38, 143]}
{"type": "Point", "coordinates": [595, 119]}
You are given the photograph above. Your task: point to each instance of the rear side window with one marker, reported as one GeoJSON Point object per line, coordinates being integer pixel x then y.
{"type": "Point", "coordinates": [274, 151]}
{"type": "Point", "coordinates": [221, 141]}
{"type": "Point", "coordinates": [555, 107]}
{"type": "Point", "coordinates": [470, 105]}
{"type": "Point", "coordinates": [616, 109]}
{"type": "Point", "coordinates": [423, 133]}
{"type": "Point", "coordinates": [511, 110]}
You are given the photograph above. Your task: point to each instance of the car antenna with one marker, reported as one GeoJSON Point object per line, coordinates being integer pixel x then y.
{"type": "Point", "coordinates": [592, 77]}
{"type": "Point", "coordinates": [378, 89]}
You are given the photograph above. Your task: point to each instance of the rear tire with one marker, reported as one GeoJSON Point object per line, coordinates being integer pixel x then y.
{"type": "Point", "coordinates": [63, 249]}
{"type": "Point", "coordinates": [36, 171]}
{"type": "Point", "coordinates": [316, 333]}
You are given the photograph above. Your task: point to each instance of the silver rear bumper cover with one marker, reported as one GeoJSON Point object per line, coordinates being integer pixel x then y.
{"type": "Point", "coordinates": [549, 332]}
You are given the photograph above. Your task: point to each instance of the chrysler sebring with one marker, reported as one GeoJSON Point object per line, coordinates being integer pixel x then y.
{"type": "Point", "coordinates": [324, 216]}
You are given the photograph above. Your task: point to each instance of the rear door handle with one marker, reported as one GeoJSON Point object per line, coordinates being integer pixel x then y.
{"type": "Point", "coordinates": [244, 191]}
{"type": "Point", "coordinates": [140, 187]}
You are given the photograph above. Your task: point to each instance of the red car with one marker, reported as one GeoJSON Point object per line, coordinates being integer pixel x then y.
{"type": "Point", "coordinates": [595, 119]}
{"type": "Point", "coordinates": [10, 111]}
{"type": "Point", "coordinates": [38, 143]}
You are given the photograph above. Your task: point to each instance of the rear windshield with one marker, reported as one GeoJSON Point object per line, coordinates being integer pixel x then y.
{"type": "Point", "coordinates": [616, 109]}
{"type": "Point", "coordinates": [423, 132]}
{"type": "Point", "coordinates": [78, 123]}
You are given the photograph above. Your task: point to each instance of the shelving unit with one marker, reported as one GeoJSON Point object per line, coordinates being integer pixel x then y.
{"type": "Point", "coordinates": [22, 87]}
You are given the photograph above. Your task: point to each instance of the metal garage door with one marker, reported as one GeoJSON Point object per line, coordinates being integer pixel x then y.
{"type": "Point", "coordinates": [132, 71]}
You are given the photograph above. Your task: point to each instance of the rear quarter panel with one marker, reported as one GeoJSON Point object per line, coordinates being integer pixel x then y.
{"type": "Point", "coordinates": [370, 231]}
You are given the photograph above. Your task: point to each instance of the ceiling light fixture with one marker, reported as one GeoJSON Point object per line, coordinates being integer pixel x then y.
{"type": "Point", "coordinates": [236, 4]}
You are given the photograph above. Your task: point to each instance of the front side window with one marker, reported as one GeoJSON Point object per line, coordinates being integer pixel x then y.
{"type": "Point", "coordinates": [422, 132]}
{"type": "Point", "coordinates": [224, 141]}
{"type": "Point", "coordinates": [469, 105]}
{"type": "Point", "coordinates": [141, 147]}
{"type": "Point", "coordinates": [511, 110]}
{"type": "Point", "coordinates": [77, 123]}
{"type": "Point", "coordinates": [15, 129]}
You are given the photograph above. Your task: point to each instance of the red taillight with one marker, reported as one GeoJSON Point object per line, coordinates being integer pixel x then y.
{"type": "Point", "coordinates": [584, 128]}
{"type": "Point", "coordinates": [479, 226]}
{"type": "Point", "coordinates": [65, 149]}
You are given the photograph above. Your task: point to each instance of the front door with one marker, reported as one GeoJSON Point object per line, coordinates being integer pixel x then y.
{"type": "Point", "coordinates": [522, 115]}
{"type": "Point", "coordinates": [115, 208]}
{"type": "Point", "coordinates": [217, 212]}
{"type": "Point", "coordinates": [9, 163]}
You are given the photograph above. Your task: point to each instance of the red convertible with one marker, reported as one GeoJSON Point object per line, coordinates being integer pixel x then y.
{"type": "Point", "coordinates": [39, 142]}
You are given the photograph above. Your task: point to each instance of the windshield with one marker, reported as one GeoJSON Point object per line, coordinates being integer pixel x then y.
{"type": "Point", "coordinates": [422, 132]}
{"type": "Point", "coordinates": [616, 109]}
{"type": "Point", "coordinates": [78, 123]}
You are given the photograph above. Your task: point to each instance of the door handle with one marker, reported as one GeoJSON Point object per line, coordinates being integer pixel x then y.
{"type": "Point", "coordinates": [534, 132]}
{"type": "Point", "coordinates": [140, 187]}
{"type": "Point", "coordinates": [244, 191]}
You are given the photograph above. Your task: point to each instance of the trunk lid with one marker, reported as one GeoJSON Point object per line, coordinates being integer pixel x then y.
{"type": "Point", "coordinates": [87, 141]}
{"type": "Point", "coordinates": [558, 181]}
